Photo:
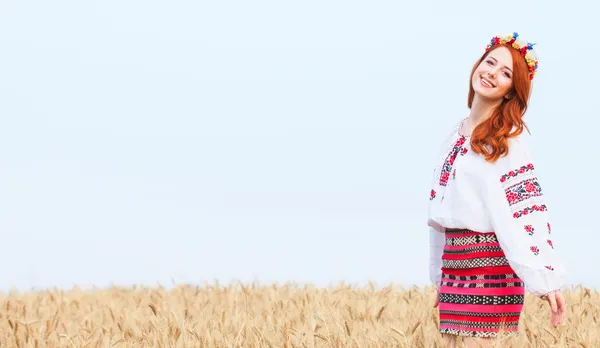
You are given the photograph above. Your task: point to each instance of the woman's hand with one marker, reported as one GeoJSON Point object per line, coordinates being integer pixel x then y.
{"type": "Point", "coordinates": [558, 305]}
{"type": "Point", "coordinates": [437, 298]}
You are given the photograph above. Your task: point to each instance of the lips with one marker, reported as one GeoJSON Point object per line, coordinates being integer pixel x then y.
{"type": "Point", "coordinates": [487, 82]}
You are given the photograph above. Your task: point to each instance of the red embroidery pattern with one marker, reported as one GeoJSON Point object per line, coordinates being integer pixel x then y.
{"type": "Point", "coordinates": [535, 250]}
{"type": "Point", "coordinates": [432, 195]}
{"type": "Point", "coordinates": [529, 229]}
{"type": "Point", "coordinates": [449, 162]}
{"type": "Point", "coordinates": [528, 210]}
{"type": "Point", "coordinates": [454, 174]}
{"type": "Point", "coordinates": [464, 151]}
{"type": "Point", "coordinates": [516, 172]}
{"type": "Point", "coordinates": [550, 268]}
{"type": "Point", "coordinates": [550, 243]}
{"type": "Point", "coordinates": [523, 190]}
{"type": "Point", "coordinates": [549, 229]}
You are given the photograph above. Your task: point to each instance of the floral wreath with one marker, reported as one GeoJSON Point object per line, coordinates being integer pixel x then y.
{"type": "Point", "coordinates": [525, 48]}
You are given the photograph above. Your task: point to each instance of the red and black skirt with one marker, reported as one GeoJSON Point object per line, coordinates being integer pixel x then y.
{"type": "Point", "coordinates": [480, 294]}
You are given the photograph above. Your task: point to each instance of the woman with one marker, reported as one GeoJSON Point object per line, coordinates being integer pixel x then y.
{"type": "Point", "coordinates": [490, 232]}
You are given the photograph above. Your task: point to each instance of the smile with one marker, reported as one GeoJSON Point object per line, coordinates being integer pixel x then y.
{"type": "Point", "coordinates": [487, 83]}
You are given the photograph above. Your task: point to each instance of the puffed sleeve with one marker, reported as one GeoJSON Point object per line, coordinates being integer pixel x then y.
{"type": "Point", "coordinates": [515, 202]}
{"type": "Point", "coordinates": [436, 249]}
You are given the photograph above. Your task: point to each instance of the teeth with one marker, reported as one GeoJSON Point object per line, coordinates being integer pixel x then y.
{"type": "Point", "coordinates": [485, 82]}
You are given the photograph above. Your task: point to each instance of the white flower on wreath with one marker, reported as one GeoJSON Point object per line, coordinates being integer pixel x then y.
{"type": "Point", "coordinates": [531, 54]}
{"type": "Point", "coordinates": [504, 38]}
{"type": "Point", "coordinates": [520, 43]}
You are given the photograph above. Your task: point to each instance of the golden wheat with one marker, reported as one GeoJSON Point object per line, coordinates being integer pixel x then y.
{"type": "Point", "coordinates": [254, 315]}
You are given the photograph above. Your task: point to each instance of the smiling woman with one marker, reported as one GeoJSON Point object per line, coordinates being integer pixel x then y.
{"type": "Point", "coordinates": [490, 235]}
{"type": "Point", "coordinates": [501, 77]}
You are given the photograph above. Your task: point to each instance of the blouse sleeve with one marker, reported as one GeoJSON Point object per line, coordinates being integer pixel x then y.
{"type": "Point", "coordinates": [436, 248]}
{"type": "Point", "coordinates": [515, 202]}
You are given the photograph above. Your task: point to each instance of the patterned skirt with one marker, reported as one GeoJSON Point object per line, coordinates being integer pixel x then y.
{"type": "Point", "coordinates": [480, 294]}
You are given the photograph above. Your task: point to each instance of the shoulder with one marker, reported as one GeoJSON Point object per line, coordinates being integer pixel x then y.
{"type": "Point", "coordinates": [449, 135]}
{"type": "Point", "coordinates": [519, 156]}
{"type": "Point", "coordinates": [519, 146]}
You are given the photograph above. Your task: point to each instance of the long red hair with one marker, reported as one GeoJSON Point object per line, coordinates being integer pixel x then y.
{"type": "Point", "coordinates": [490, 137]}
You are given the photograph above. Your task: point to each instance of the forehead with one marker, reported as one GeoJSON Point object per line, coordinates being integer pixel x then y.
{"type": "Point", "coordinates": [503, 56]}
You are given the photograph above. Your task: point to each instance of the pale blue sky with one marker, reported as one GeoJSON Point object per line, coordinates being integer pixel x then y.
{"type": "Point", "coordinates": [145, 141]}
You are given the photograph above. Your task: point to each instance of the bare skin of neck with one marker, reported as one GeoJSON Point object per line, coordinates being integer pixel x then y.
{"type": "Point", "coordinates": [481, 109]}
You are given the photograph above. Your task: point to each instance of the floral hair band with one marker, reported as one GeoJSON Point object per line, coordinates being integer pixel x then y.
{"type": "Point", "coordinates": [524, 48]}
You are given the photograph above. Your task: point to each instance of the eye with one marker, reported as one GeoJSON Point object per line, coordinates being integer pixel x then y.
{"type": "Point", "coordinates": [507, 74]}
{"type": "Point", "coordinates": [489, 61]}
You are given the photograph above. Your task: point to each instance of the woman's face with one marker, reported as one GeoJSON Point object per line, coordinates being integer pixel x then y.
{"type": "Point", "coordinates": [493, 78]}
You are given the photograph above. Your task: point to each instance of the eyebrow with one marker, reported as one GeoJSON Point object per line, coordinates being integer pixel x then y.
{"type": "Point", "coordinates": [497, 62]}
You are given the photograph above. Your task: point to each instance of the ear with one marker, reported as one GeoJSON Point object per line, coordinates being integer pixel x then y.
{"type": "Point", "coordinates": [508, 96]}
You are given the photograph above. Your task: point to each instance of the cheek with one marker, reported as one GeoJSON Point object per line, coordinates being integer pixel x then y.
{"type": "Point", "coordinates": [479, 70]}
{"type": "Point", "coordinates": [505, 85]}
{"type": "Point", "coordinates": [476, 75]}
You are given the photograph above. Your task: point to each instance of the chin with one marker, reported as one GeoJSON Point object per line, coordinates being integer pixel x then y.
{"type": "Point", "coordinates": [485, 94]}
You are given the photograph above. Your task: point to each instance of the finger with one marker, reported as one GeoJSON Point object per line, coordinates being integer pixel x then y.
{"type": "Point", "coordinates": [560, 305]}
{"type": "Point", "coordinates": [563, 307]}
{"type": "Point", "coordinates": [552, 300]}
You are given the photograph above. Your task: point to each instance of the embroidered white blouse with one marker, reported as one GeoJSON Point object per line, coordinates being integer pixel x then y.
{"type": "Point", "coordinates": [504, 197]}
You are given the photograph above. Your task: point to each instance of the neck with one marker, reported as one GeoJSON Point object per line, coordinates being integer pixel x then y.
{"type": "Point", "coordinates": [481, 109]}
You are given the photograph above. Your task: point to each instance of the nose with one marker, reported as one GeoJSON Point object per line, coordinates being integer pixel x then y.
{"type": "Point", "coordinates": [493, 71]}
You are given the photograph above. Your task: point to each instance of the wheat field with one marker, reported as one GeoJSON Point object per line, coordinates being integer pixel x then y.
{"type": "Point", "coordinates": [255, 315]}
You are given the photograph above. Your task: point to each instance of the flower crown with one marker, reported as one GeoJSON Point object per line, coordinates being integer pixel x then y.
{"type": "Point", "coordinates": [526, 50]}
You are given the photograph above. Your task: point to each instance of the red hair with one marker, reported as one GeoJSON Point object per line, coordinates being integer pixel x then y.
{"type": "Point", "coordinates": [490, 137]}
